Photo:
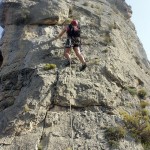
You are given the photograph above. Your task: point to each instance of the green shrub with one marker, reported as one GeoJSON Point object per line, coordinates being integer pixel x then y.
{"type": "Point", "coordinates": [146, 146]}
{"type": "Point", "coordinates": [113, 144]}
{"type": "Point", "coordinates": [49, 66]}
{"type": "Point", "coordinates": [138, 125]}
{"type": "Point", "coordinates": [114, 134]}
{"type": "Point", "coordinates": [142, 93]}
{"type": "Point", "coordinates": [144, 112]}
{"type": "Point", "coordinates": [145, 136]}
{"type": "Point", "coordinates": [39, 147]}
{"type": "Point", "coordinates": [143, 104]}
{"type": "Point", "coordinates": [132, 90]}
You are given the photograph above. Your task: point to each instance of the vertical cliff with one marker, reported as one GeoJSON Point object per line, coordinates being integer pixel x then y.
{"type": "Point", "coordinates": [63, 108]}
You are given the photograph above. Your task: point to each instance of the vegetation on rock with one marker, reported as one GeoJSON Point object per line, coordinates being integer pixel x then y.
{"type": "Point", "coordinates": [142, 93]}
{"type": "Point", "coordinates": [138, 125]}
{"type": "Point", "coordinates": [114, 134]}
{"type": "Point", "coordinates": [49, 66]}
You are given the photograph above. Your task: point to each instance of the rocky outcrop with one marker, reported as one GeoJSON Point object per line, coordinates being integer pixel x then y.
{"type": "Point", "coordinates": [64, 108]}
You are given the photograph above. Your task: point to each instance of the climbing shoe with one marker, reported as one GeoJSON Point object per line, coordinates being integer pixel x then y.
{"type": "Point", "coordinates": [68, 63]}
{"type": "Point", "coordinates": [83, 67]}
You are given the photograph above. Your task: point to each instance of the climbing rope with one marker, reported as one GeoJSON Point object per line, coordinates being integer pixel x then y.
{"type": "Point", "coordinates": [71, 118]}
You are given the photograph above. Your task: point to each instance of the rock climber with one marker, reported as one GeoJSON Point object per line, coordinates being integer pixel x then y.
{"type": "Point", "coordinates": [73, 40]}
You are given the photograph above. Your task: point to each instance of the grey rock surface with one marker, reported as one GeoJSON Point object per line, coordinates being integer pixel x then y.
{"type": "Point", "coordinates": [63, 108]}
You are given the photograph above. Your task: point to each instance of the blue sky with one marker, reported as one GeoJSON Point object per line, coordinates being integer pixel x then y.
{"type": "Point", "coordinates": [140, 18]}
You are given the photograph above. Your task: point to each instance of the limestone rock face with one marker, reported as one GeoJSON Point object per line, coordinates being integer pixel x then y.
{"type": "Point", "coordinates": [64, 108]}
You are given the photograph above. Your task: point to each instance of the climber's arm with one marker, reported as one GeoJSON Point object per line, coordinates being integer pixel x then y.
{"type": "Point", "coordinates": [61, 33]}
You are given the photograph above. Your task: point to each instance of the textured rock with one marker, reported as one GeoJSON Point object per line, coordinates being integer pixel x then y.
{"type": "Point", "coordinates": [35, 104]}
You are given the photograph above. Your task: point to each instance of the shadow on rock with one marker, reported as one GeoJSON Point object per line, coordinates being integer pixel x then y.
{"type": "Point", "coordinates": [19, 95]}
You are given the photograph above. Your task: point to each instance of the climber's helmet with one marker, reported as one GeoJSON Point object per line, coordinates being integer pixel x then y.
{"type": "Point", "coordinates": [74, 22]}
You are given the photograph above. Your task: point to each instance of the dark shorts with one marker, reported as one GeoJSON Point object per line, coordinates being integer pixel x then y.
{"type": "Point", "coordinates": [72, 43]}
